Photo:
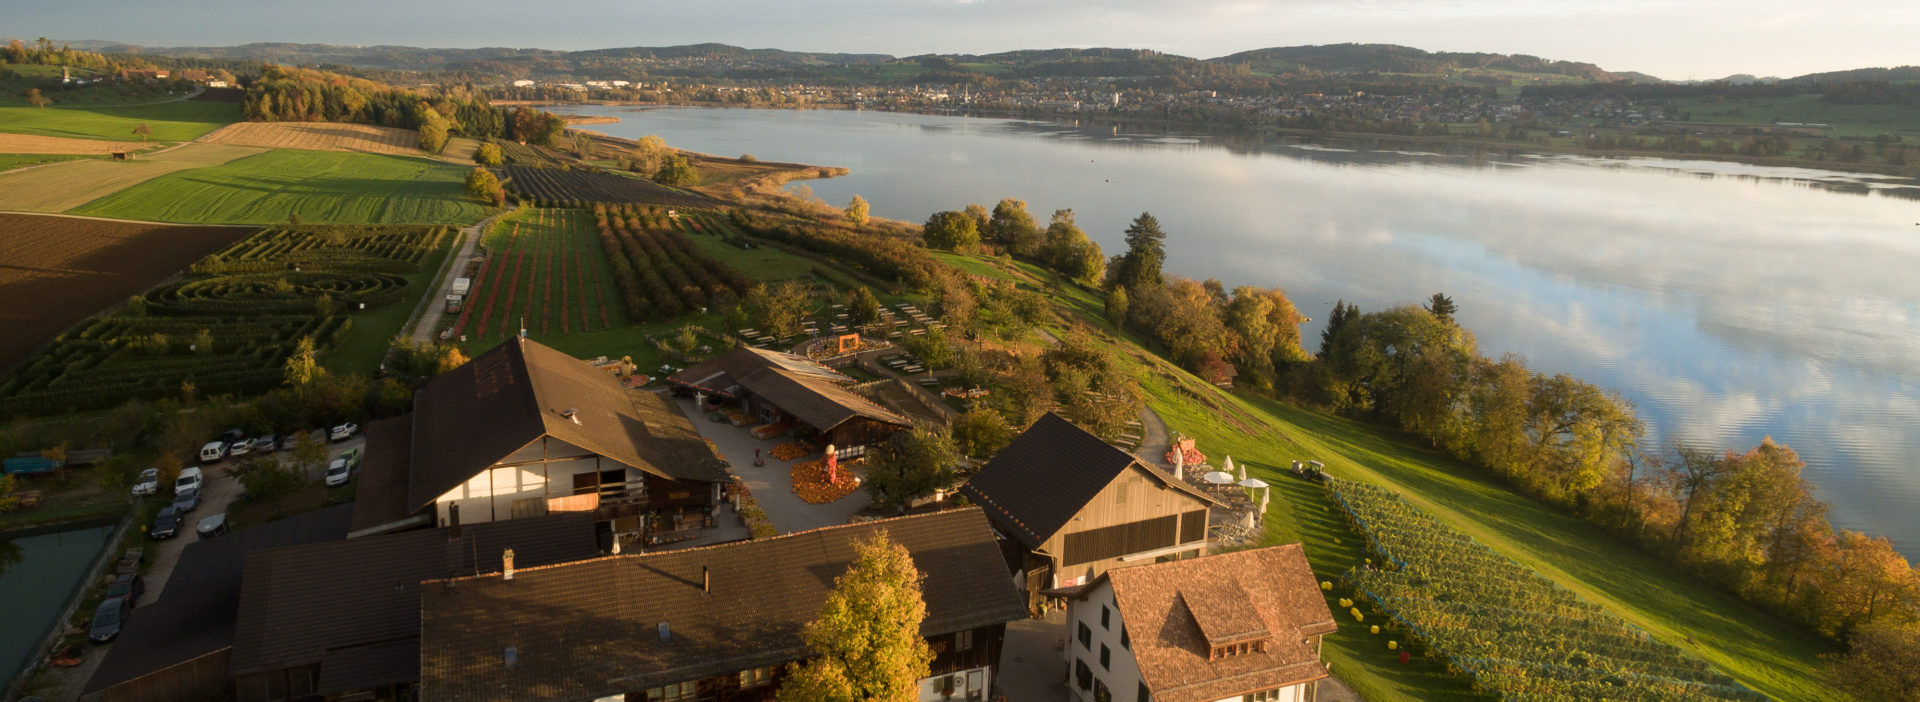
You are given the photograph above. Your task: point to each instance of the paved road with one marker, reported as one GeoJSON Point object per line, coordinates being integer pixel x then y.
{"type": "Point", "coordinates": [433, 306]}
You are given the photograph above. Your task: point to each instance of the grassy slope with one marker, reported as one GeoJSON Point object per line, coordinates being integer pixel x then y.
{"type": "Point", "coordinates": [365, 345]}
{"type": "Point", "coordinates": [1847, 120]}
{"type": "Point", "coordinates": [64, 186]}
{"type": "Point", "coordinates": [173, 121]}
{"type": "Point", "coordinates": [319, 186]}
{"type": "Point", "coordinates": [1750, 645]}
{"type": "Point", "coordinates": [12, 161]}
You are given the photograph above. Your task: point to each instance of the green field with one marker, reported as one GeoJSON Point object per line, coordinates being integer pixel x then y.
{"type": "Point", "coordinates": [13, 89]}
{"type": "Point", "coordinates": [1754, 647]}
{"type": "Point", "coordinates": [364, 346]}
{"type": "Point", "coordinates": [319, 186]}
{"type": "Point", "coordinates": [12, 161]}
{"type": "Point", "coordinates": [173, 121]}
{"type": "Point", "coordinates": [1847, 120]}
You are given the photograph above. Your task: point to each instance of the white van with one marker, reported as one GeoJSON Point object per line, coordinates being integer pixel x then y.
{"type": "Point", "coordinates": [189, 480]}
{"type": "Point", "coordinates": [213, 451]}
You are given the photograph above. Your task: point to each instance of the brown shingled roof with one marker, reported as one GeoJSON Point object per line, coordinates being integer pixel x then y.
{"type": "Point", "coordinates": [809, 391]}
{"type": "Point", "coordinates": [1176, 611]}
{"type": "Point", "coordinates": [381, 497]}
{"type": "Point", "coordinates": [583, 630]}
{"type": "Point", "coordinates": [347, 604]}
{"type": "Point", "coordinates": [517, 392]}
{"type": "Point", "coordinates": [1035, 485]}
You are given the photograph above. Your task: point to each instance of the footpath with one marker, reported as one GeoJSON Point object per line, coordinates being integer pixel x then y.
{"type": "Point", "coordinates": [427, 314]}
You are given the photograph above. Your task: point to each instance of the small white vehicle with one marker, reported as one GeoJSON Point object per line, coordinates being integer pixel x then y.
{"type": "Point", "coordinates": [148, 484]}
{"type": "Point", "coordinates": [240, 448]}
{"type": "Point", "coordinates": [344, 431]}
{"type": "Point", "coordinates": [213, 451]}
{"type": "Point", "coordinates": [189, 480]}
{"type": "Point", "coordinates": [339, 472]}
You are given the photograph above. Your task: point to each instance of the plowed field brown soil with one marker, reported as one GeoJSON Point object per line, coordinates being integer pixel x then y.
{"type": "Point", "coordinates": [36, 144]}
{"type": "Point", "coordinates": [55, 271]}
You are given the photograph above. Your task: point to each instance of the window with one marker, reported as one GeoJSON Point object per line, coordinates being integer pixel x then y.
{"type": "Point", "coordinates": [963, 641]}
{"type": "Point", "coordinates": [676, 692]}
{"type": "Point", "coordinates": [755, 677]}
{"type": "Point", "coordinates": [1106, 658]}
{"type": "Point", "coordinates": [1145, 694]}
{"type": "Point", "coordinates": [1086, 636]}
{"type": "Point", "coordinates": [1082, 675]}
{"type": "Point", "coordinates": [1106, 615]}
{"type": "Point", "coordinates": [1261, 696]}
{"type": "Point", "coordinates": [1120, 492]}
{"type": "Point", "coordinates": [1125, 641]}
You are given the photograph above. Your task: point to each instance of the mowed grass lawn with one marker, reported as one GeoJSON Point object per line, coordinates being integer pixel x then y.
{"type": "Point", "coordinates": [173, 121]}
{"type": "Point", "coordinates": [63, 186]}
{"type": "Point", "coordinates": [318, 186]}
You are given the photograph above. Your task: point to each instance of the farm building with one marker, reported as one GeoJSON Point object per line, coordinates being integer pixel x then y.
{"type": "Point", "coordinates": [179, 645]}
{"type": "Point", "coordinates": [1074, 507]}
{"type": "Point", "coordinates": [341, 620]}
{"type": "Point", "coordinates": [718, 624]}
{"type": "Point", "coordinates": [1234, 626]}
{"type": "Point", "coordinates": [522, 431]}
{"type": "Point", "coordinates": [774, 387]}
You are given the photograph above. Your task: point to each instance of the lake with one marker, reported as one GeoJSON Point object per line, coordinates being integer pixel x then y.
{"type": "Point", "coordinates": [1728, 302]}
{"type": "Point", "coordinates": [37, 575]}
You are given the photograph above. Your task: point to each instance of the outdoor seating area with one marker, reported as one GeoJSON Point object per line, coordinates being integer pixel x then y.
{"type": "Point", "coordinates": [1245, 497]}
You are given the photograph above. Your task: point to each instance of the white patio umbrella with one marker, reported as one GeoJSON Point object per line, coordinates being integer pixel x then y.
{"type": "Point", "coordinates": [1217, 477]}
{"type": "Point", "coordinates": [1251, 483]}
{"type": "Point", "coordinates": [1179, 463]}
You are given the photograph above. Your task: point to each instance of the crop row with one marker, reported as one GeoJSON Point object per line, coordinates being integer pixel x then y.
{"type": "Point", "coordinates": [552, 187]}
{"type": "Point", "coordinates": [657, 268]}
{"type": "Point", "coordinates": [1515, 633]}
{"type": "Point", "coordinates": [888, 258]}
{"type": "Point", "coordinates": [370, 248]}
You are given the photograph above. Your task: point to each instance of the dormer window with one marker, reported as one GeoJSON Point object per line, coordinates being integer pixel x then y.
{"type": "Point", "coordinates": [1238, 649]}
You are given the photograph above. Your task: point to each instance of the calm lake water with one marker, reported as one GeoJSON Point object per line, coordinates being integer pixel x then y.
{"type": "Point", "coordinates": [35, 587]}
{"type": "Point", "coordinates": [1728, 302]}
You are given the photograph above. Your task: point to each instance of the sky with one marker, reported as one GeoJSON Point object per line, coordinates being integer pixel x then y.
{"type": "Point", "coordinates": [1672, 39]}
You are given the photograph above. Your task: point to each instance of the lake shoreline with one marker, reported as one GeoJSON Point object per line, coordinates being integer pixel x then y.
{"type": "Point", "coordinates": [1509, 147]}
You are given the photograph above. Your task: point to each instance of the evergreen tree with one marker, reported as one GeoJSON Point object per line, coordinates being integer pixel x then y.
{"type": "Point", "coordinates": [1442, 306]}
{"type": "Point", "coordinates": [1338, 318]}
{"type": "Point", "coordinates": [1146, 251]}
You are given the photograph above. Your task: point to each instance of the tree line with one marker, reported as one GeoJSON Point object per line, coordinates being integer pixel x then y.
{"type": "Point", "coordinates": [286, 94]}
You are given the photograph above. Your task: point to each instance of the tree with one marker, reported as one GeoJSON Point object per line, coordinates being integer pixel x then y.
{"type": "Point", "coordinates": [1012, 228]}
{"type": "Point", "coordinates": [980, 433]}
{"type": "Point", "coordinates": [1117, 306]}
{"type": "Point", "coordinates": [648, 153]}
{"type": "Point", "coordinates": [866, 639]}
{"type": "Point", "coordinates": [302, 368]}
{"type": "Point", "coordinates": [981, 218]}
{"type": "Point", "coordinates": [35, 99]}
{"type": "Point", "coordinates": [143, 131]}
{"type": "Point", "coordinates": [309, 454]}
{"type": "Point", "coordinates": [862, 306]}
{"type": "Point", "coordinates": [481, 183]}
{"type": "Point", "coordinates": [266, 480]}
{"type": "Point", "coordinates": [931, 348]}
{"type": "Point", "coordinates": [911, 464]}
{"type": "Point", "coordinates": [1065, 248]}
{"type": "Point", "coordinates": [1146, 251]}
{"type": "Point", "coordinates": [1882, 663]}
{"type": "Point", "coordinates": [1342, 313]}
{"type": "Point", "coordinates": [489, 155]}
{"type": "Point", "coordinates": [582, 145]}
{"type": "Point", "coordinates": [435, 129]}
{"type": "Point", "coordinates": [950, 231]}
{"type": "Point", "coordinates": [1441, 306]}
{"type": "Point", "coordinates": [676, 171]}
{"type": "Point", "coordinates": [857, 210]}
{"type": "Point", "coordinates": [776, 310]}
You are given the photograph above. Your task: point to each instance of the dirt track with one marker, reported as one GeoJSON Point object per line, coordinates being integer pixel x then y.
{"type": "Point", "coordinates": [37, 144]}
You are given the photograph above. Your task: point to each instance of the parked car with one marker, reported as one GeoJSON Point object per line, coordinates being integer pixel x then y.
{"type": "Point", "coordinates": [213, 451]}
{"type": "Point", "coordinates": [343, 432]}
{"type": "Point", "coordinates": [148, 484]}
{"type": "Point", "coordinates": [130, 586]}
{"type": "Point", "coordinates": [185, 502]}
{"type": "Point", "coordinates": [339, 472]}
{"type": "Point", "coordinates": [240, 447]}
{"type": "Point", "coordinates": [189, 480]}
{"type": "Point", "coordinates": [211, 526]}
{"type": "Point", "coordinates": [288, 439]}
{"type": "Point", "coordinates": [267, 443]}
{"type": "Point", "coordinates": [232, 435]}
{"type": "Point", "coordinates": [166, 524]}
{"type": "Point", "coordinates": [107, 620]}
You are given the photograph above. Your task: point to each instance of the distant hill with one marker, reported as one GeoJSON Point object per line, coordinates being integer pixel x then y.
{"type": "Point", "coordinates": [1901, 74]}
{"type": "Point", "coordinates": [1390, 58]}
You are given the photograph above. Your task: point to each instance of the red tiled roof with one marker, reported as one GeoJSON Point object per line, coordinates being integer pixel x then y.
{"type": "Point", "coordinates": [1177, 611]}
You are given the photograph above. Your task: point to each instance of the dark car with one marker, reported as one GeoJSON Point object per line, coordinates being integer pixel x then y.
{"type": "Point", "coordinates": [165, 524]}
{"type": "Point", "coordinates": [233, 435]}
{"type": "Point", "coordinates": [130, 586]}
{"type": "Point", "coordinates": [186, 502]}
{"type": "Point", "coordinates": [107, 620]}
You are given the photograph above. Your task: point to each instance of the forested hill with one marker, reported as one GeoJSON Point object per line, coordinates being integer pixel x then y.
{"type": "Point", "coordinates": [1390, 58]}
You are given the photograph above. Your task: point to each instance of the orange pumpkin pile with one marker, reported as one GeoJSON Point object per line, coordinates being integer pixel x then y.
{"type": "Point", "coordinates": [810, 482]}
{"type": "Point", "coordinates": [790, 450]}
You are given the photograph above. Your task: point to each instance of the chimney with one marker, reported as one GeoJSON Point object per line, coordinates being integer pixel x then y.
{"type": "Point", "coordinates": [506, 565]}
{"type": "Point", "coordinates": [453, 515]}
{"type": "Point", "coordinates": [706, 581]}
{"type": "Point", "coordinates": [571, 414]}
{"type": "Point", "coordinates": [666, 634]}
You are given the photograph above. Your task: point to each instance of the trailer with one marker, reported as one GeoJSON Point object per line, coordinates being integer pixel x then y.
{"type": "Point", "coordinates": [457, 294]}
{"type": "Point", "coordinates": [461, 286]}
{"type": "Point", "coordinates": [31, 465]}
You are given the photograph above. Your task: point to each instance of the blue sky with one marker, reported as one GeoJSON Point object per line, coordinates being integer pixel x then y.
{"type": "Point", "coordinates": [1675, 39]}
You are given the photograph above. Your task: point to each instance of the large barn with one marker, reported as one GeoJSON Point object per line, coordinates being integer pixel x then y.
{"type": "Point", "coordinates": [524, 430]}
